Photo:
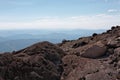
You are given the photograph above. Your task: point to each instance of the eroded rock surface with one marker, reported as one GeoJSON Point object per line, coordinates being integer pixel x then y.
{"type": "Point", "coordinates": [41, 61]}
{"type": "Point", "coordinates": [95, 57]}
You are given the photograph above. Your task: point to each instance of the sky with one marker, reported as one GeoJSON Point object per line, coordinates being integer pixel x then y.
{"type": "Point", "coordinates": [59, 14]}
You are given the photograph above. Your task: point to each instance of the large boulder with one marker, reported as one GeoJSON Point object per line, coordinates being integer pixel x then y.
{"type": "Point", "coordinates": [95, 50]}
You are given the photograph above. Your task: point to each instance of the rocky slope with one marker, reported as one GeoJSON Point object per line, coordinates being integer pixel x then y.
{"type": "Point", "coordinates": [96, 57]}
{"type": "Point", "coordinates": [41, 61]}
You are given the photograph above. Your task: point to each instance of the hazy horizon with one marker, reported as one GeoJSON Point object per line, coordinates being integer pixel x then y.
{"type": "Point", "coordinates": [13, 40]}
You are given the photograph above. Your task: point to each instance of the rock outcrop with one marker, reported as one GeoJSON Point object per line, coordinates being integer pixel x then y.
{"type": "Point", "coordinates": [41, 61]}
{"type": "Point", "coordinates": [96, 57]}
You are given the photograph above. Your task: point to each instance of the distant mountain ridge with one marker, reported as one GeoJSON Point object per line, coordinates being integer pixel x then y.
{"type": "Point", "coordinates": [12, 40]}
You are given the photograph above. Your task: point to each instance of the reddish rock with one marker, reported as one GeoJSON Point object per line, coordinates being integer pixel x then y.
{"type": "Point", "coordinates": [96, 60]}
{"type": "Point", "coordinates": [99, 76]}
{"type": "Point", "coordinates": [93, 50]}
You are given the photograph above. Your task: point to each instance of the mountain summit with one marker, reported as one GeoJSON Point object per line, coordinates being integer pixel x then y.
{"type": "Point", "coordinates": [96, 57]}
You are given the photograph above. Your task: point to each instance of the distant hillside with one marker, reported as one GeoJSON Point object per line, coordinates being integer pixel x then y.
{"type": "Point", "coordinates": [15, 40]}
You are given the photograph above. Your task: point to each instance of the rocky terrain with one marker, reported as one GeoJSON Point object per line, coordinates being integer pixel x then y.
{"type": "Point", "coordinates": [96, 57]}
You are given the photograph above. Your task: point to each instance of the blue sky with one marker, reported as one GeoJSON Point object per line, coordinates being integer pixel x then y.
{"type": "Point", "coordinates": [59, 14]}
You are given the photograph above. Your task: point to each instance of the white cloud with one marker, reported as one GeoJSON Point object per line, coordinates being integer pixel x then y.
{"type": "Point", "coordinates": [112, 10]}
{"type": "Point", "coordinates": [101, 21]}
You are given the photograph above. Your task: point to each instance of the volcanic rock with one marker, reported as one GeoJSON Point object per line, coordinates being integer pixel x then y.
{"type": "Point", "coordinates": [40, 61]}
{"type": "Point", "coordinates": [98, 59]}
{"type": "Point", "coordinates": [93, 51]}
{"type": "Point", "coordinates": [99, 76]}
{"type": "Point", "coordinates": [95, 57]}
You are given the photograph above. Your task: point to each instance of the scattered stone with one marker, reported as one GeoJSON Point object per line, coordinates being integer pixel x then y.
{"type": "Point", "coordinates": [94, 34]}
{"type": "Point", "coordinates": [76, 45]}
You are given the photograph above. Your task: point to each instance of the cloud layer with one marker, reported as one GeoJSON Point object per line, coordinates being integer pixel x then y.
{"type": "Point", "coordinates": [101, 21]}
{"type": "Point", "coordinates": [113, 10]}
